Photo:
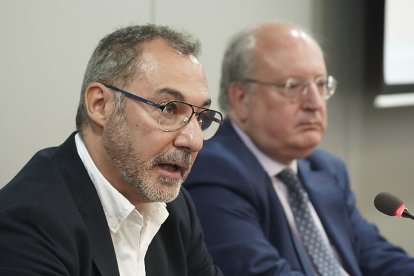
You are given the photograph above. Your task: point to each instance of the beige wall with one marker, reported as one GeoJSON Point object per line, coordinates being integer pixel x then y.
{"type": "Point", "coordinates": [377, 144]}
{"type": "Point", "coordinates": [45, 45]}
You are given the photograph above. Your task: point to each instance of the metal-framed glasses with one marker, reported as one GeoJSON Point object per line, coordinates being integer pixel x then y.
{"type": "Point", "coordinates": [294, 88]}
{"type": "Point", "coordinates": [174, 115]}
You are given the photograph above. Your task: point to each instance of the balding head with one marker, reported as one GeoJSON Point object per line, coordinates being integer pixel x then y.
{"type": "Point", "coordinates": [280, 34]}
{"type": "Point", "coordinates": [264, 43]}
{"type": "Point", "coordinates": [258, 66]}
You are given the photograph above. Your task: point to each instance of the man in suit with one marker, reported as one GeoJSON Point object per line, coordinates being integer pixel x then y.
{"type": "Point", "coordinates": [108, 201]}
{"type": "Point", "coordinates": [274, 90]}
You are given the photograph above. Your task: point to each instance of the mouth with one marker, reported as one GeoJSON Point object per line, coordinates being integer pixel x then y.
{"type": "Point", "coordinates": [173, 170]}
{"type": "Point", "coordinates": [310, 127]}
{"type": "Point", "coordinates": [174, 165]}
{"type": "Point", "coordinates": [311, 124]}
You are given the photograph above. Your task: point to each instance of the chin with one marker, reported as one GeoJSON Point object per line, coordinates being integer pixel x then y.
{"type": "Point", "coordinates": [170, 195]}
{"type": "Point", "coordinates": [306, 147]}
{"type": "Point", "coordinates": [312, 139]}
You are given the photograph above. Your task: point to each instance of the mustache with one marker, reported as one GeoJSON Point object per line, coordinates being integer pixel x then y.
{"type": "Point", "coordinates": [311, 119]}
{"type": "Point", "coordinates": [181, 157]}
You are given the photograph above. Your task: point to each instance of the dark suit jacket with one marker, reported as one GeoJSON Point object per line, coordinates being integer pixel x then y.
{"type": "Point", "coordinates": [52, 223]}
{"type": "Point", "coordinates": [245, 226]}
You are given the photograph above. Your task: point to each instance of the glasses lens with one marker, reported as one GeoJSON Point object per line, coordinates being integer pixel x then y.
{"type": "Point", "coordinates": [210, 122]}
{"type": "Point", "coordinates": [293, 88]}
{"type": "Point", "coordinates": [330, 87]}
{"type": "Point", "coordinates": [331, 83]}
{"type": "Point", "coordinates": [175, 115]}
{"type": "Point", "coordinates": [322, 85]}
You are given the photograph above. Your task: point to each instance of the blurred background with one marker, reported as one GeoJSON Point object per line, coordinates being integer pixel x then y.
{"type": "Point", "coordinates": [45, 46]}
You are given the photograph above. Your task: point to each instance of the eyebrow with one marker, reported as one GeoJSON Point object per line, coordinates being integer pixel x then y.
{"type": "Point", "coordinates": [177, 95]}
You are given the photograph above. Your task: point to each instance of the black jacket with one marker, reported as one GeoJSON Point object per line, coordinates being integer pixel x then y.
{"type": "Point", "coordinates": [52, 223]}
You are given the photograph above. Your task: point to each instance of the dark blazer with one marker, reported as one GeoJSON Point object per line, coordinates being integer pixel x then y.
{"type": "Point", "coordinates": [52, 223]}
{"type": "Point", "coordinates": [246, 229]}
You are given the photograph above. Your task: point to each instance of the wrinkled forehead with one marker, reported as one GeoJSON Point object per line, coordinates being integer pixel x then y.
{"type": "Point", "coordinates": [163, 68]}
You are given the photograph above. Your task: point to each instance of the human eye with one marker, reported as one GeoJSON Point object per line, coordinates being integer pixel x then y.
{"type": "Point", "coordinates": [171, 108]}
{"type": "Point", "coordinates": [321, 82]}
{"type": "Point", "coordinates": [293, 87]}
{"type": "Point", "coordinates": [293, 84]}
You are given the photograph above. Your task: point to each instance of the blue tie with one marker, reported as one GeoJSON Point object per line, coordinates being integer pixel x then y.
{"type": "Point", "coordinates": [319, 251]}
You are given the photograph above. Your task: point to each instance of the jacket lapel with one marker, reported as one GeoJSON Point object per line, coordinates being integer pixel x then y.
{"type": "Point", "coordinates": [89, 205]}
{"type": "Point", "coordinates": [329, 203]}
{"type": "Point", "coordinates": [295, 251]}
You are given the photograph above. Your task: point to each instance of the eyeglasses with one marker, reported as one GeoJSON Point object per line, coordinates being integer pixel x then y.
{"type": "Point", "coordinates": [175, 114]}
{"type": "Point", "coordinates": [295, 88]}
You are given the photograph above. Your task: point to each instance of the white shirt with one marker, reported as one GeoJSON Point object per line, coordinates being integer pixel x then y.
{"type": "Point", "coordinates": [131, 230]}
{"type": "Point", "coordinates": [273, 168]}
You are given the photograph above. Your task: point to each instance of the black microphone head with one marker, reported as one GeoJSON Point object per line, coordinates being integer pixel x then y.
{"type": "Point", "coordinates": [389, 204]}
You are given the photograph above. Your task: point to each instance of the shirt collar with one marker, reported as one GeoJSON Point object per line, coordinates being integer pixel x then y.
{"type": "Point", "coordinates": [117, 207]}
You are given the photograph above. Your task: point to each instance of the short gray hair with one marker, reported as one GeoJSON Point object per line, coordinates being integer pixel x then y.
{"type": "Point", "coordinates": [236, 63]}
{"type": "Point", "coordinates": [116, 59]}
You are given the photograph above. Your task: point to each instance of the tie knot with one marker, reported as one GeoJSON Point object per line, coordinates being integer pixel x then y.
{"type": "Point", "coordinates": [288, 177]}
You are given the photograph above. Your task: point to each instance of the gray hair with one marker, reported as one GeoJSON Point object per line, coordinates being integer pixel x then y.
{"type": "Point", "coordinates": [116, 59]}
{"type": "Point", "coordinates": [236, 63]}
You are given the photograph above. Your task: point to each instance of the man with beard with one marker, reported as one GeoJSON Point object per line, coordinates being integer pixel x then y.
{"type": "Point", "coordinates": [108, 201]}
{"type": "Point", "coordinates": [280, 206]}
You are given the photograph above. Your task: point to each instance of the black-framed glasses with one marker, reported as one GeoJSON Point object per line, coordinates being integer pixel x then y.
{"type": "Point", "coordinates": [175, 114]}
{"type": "Point", "coordinates": [294, 88]}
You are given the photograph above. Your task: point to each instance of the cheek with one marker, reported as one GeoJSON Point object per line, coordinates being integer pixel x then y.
{"type": "Point", "coordinates": [279, 127]}
{"type": "Point", "coordinates": [269, 126]}
{"type": "Point", "coordinates": [282, 117]}
{"type": "Point", "coordinates": [143, 139]}
{"type": "Point", "coordinates": [324, 116]}
{"type": "Point", "coordinates": [272, 116]}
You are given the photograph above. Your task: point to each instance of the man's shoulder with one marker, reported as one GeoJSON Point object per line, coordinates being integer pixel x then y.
{"type": "Point", "coordinates": [39, 166]}
{"type": "Point", "coordinates": [40, 176]}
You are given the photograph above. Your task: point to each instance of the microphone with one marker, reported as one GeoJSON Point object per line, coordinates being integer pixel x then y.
{"type": "Point", "coordinates": [390, 205]}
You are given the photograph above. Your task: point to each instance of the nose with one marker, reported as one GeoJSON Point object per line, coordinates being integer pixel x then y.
{"type": "Point", "coordinates": [190, 136]}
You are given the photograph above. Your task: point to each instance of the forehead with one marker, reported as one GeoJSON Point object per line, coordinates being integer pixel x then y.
{"type": "Point", "coordinates": [288, 53]}
{"type": "Point", "coordinates": [163, 68]}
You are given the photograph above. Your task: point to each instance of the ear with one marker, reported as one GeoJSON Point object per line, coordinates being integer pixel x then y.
{"type": "Point", "coordinates": [239, 100]}
{"type": "Point", "coordinates": [98, 103]}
